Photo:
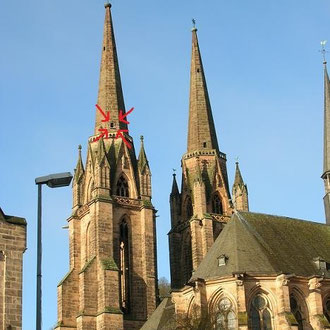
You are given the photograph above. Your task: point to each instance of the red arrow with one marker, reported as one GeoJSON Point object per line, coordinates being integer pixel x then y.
{"type": "Point", "coordinates": [104, 133]}
{"type": "Point", "coordinates": [106, 116]}
{"type": "Point", "coordinates": [122, 116]}
{"type": "Point", "coordinates": [119, 134]}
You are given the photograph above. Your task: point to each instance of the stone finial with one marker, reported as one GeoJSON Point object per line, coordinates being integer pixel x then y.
{"type": "Point", "coordinates": [194, 25]}
{"type": "Point", "coordinates": [107, 4]}
{"type": "Point", "coordinates": [323, 51]}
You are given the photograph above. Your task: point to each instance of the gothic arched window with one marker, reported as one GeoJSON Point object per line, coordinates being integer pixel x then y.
{"type": "Point", "coordinates": [124, 266]}
{"type": "Point", "coordinates": [216, 204]}
{"type": "Point", "coordinates": [226, 318]}
{"type": "Point", "coordinates": [88, 242]}
{"type": "Point", "coordinates": [189, 208]}
{"type": "Point", "coordinates": [89, 191]}
{"type": "Point", "coordinates": [259, 315]}
{"type": "Point", "coordinates": [327, 308]}
{"type": "Point", "coordinates": [187, 257]}
{"type": "Point", "coordinates": [122, 187]}
{"type": "Point", "coordinates": [297, 312]}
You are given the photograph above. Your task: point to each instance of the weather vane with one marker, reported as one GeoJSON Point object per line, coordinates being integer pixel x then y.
{"type": "Point", "coordinates": [236, 158]}
{"type": "Point", "coordinates": [323, 50]}
{"type": "Point", "coordinates": [194, 23]}
{"type": "Point", "coordinates": [173, 169]}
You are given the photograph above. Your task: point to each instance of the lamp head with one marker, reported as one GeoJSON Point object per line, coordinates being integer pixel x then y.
{"type": "Point", "coordinates": [55, 180]}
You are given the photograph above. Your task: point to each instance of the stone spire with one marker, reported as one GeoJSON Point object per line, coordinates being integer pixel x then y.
{"type": "Point", "coordinates": [326, 156]}
{"type": "Point", "coordinates": [143, 160]}
{"type": "Point", "coordinates": [110, 95]}
{"type": "Point", "coordinates": [144, 173]}
{"type": "Point", "coordinates": [79, 170]}
{"type": "Point", "coordinates": [200, 211]}
{"type": "Point", "coordinates": [238, 176]}
{"type": "Point", "coordinates": [175, 189]}
{"type": "Point", "coordinates": [201, 131]}
{"type": "Point", "coordinates": [240, 192]}
{"type": "Point", "coordinates": [326, 145]}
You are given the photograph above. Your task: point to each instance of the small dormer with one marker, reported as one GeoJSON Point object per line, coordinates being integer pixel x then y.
{"type": "Point", "coordinates": [222, 260]}
{"type": "Point", "coordinates": [321, 264]}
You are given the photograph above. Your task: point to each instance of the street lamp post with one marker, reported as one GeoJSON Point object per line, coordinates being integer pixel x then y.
{"type": "Point", "coordinates": [53, 181]}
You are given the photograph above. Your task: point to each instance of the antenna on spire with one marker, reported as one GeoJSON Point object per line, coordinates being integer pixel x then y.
{"type": "Point", "coordinates": [323, 50]}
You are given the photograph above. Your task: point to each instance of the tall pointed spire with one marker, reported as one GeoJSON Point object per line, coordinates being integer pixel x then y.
{"type": "Point", "coordinates": [110, 96]}
{"type": "Point", "coordinates": [204, 201]}
{"type": "Point", "coordinates": [326, 144]}
{"type": "Point", "coordinates": [201, 131]}
{"type": "Point", "coordinates": [326, 159]}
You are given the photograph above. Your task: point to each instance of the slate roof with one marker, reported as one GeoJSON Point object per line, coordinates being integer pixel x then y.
{"type": "Point", "coordinates": [162, 317]}
{"type": "Point", "coordinates": [258, 244]}
{"type": "Point", "coordinates": [262, 244]}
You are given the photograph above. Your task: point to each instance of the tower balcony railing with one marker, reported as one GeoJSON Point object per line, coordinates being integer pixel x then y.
{"type": "Point", "coordinates": [126, 201]}
{"type": "Point", "coordinates": [220, 217]}
{"type": "Point", "coordinates": [209, 152]}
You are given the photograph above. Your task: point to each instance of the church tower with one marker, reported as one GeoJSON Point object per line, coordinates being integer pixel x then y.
{"type": "Point", "coordinates": [203, 206]}
{"type": "Point", "coordinates": [112, 282]}
{"type": "Point", "coordinates": [240, 192]}
{"type": "Point", "coordinates": [326, 145]}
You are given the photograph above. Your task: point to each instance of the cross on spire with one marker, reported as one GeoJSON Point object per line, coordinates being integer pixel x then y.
{"type": "Point", "coordinates": [194, 25]}
{"type": "Point", "coordinates": [323, 51]}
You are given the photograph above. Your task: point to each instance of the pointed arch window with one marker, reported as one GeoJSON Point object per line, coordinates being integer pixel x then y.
{"type": "Point", "coordinates": [124, 266]}
{"type": "Point", "coordinates": [88, 242]}
{"type": "Point", "coordinates": [260, 314]}
{"type": "Point", "coordinates": [189, 208]}
{"type": "Point", "coordinates": [122, 187]}
{"type": "Point", "coordinates": [327, 308]}
{"type": "Point", "coordinates": [226, 317]}
{"type": "Point", "coordinates": [89, 192]}
{"type": "Point", "coordinates": [297, 312]}
{"type": "Point", "coordinates": [216, 204]}
{"type": "Point", "coordinates": [187, 257]}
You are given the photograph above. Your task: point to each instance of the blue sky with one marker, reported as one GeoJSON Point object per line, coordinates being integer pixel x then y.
{"type": "Point", "coordinates": [265, 81]}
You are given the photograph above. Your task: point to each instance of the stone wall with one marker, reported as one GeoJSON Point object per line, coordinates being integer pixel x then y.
{"type": "Point", "coordinates": [240, 290]}
{"type": "Point", "coordinates": [12, 247]}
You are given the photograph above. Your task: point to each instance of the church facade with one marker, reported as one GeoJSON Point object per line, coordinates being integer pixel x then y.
{"type": "Point", "coordinates": [230, 268]}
